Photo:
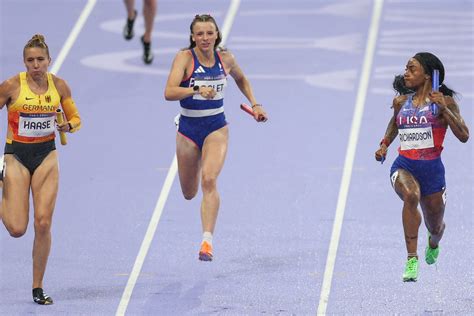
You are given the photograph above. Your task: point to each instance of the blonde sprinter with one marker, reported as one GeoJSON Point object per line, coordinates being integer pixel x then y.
{"type": "Point", "coordinates": [31, 161]}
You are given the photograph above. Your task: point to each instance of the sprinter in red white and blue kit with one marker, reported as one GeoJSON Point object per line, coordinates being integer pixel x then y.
{"type": "Point", "coordinates": [422, 114]}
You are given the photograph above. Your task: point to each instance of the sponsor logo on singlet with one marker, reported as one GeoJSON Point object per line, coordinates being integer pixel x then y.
{"type": "Point", "coordinates": [36, 124]}
{"type": "Point", "coordinates": [412, 120]}
{"type": "Point", "coordinates": [199, 70]}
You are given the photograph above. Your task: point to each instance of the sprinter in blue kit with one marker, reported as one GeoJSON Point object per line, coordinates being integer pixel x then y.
{"type": "Point", "coordinates": [198, 80]}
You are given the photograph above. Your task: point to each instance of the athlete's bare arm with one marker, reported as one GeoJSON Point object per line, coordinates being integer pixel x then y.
{"type": "Point", "coordinates": [233, 69]}
{"type": "Point", "coordinates": [73, 120]}
{"type": "Point", "coordinates": [181, 69]}
{"type": "Point", "coordinates": [9, 91]}
{"type": "Point", "coordinates": [178, 72]}
{"type": "Point", "coordinates": [453, 118]}
{"type": "Point", "coordinates": [392, 129]}
{"type": "Point", "coordinates": [236, 72]}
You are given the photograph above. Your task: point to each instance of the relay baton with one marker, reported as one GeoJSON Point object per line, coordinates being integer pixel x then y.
{"type": "Point", "coordinates": [435, 87]}
{"type": "Point", "coordinates": [247, 109]}
{"type": "Point", "coordinates": [60, 119]}
{"type": "Point", "coordinates": [250, 111]}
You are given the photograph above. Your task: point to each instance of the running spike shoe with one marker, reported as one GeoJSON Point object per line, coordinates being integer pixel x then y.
{"type": "Point", "coordinates": [40, 297]}
{"type": "Point", "coordinates": [205, 254]}
{"type": "Point", "coordinates": [147, 53]}
{"type": "Point", "coordinates": [128, 28]}
{"type": "Point", "coordinates": [431, 254]}
{"type": "Point", "coordinates": [411, 270]}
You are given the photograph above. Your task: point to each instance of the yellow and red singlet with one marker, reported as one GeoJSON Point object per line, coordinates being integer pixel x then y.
{"type": "Point", "coordinates": [31, 117]}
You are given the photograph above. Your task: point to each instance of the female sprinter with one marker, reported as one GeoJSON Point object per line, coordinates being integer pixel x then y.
{"type": "Point", "coordinates": [198, 80]}
{"type": "Point", "coordinates": [31, 161]}
{"type": "Point", "coordinates": [417, 174]}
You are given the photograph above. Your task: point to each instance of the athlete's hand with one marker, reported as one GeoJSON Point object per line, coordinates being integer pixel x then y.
{"type": "Point", "coordinates": [259, 113]}
{"type": "Point", "coordinates": [64, 127]}
{"type": "Point", "coordinates": [438, 98]}
{"type": "Point", "coordinates": [207, 92]}
{"type": "Point", "coordinates": [381, 153]}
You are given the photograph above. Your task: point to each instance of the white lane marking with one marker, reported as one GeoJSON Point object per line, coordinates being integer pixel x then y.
{"type": "Point", "coordinates": [73, 36]}
{"type": "Point", "coordinates": [350, 154]}
{"type": "Point", "coordinates": [150, 233]}
{"type": "Point", "coordinates": [229, 20]}
{"type": "Point", "coordinates": [121, 61]}
{"type": "Point", "coordinates": [145, 246]}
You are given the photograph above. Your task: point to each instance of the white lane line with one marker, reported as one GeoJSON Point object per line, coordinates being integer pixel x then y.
{"type": "Point", "coordinates": [150, 233]}
{"type": "Point", "coordinates": [229, 20]}
{"type": "Point", "coordinates": [350, 154]}
{"type": "Point", "coordinates": [73, 36]}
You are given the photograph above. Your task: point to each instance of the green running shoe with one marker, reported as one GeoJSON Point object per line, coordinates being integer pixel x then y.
{"type": "Point", "coordinates": [411, 270]}
{"type": "Point", "coordinates": [431, 254]}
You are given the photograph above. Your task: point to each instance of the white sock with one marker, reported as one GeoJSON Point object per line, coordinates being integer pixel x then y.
{"type": "Point", "coordinates": [207, 236]}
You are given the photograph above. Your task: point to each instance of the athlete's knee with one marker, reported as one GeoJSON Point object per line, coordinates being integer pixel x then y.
{"type": "Point", "coordinates": [149, 2]}
{"type": "Point", "coordinates": [15, 231]}
{"type": "Point", "coordinates": [189, 191]}
{"type": "Point", "coordinates": [437, 229]}
{"type": "Point", "coordinates": [189, 195]}
{"type": "Point", "coordinates": [411, 197]}
{"type": "Point", "coordinates": [42, 225]}
{"type": "Point", "coordinates": [208, 183]}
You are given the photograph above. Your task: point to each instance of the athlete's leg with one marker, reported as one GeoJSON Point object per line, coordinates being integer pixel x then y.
{"type": "Point", "coordinates": [15, 196]}
{"type": "Point", "coordinates": [213, 157]}
{"type": "Point", "coordinates": [44, 186]}
{"type": "Point", "coordinates": [408, 190]}
{"type": "Point", "coordinates": [433, 212]}
{"type": "Point", "coordinates": [149, 12]}
{"type": "Point", "coordinates": [130, 6]}
{"type": "Point", "coordinates": [189, 166]}
{"type": "Point", "coordinates": [128, 32]}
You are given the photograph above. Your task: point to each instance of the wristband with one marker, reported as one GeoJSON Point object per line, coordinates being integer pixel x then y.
{"type": "Point", "coordinates": [256, 104]}
{"type": "Point", "coordinates": [385, 142]}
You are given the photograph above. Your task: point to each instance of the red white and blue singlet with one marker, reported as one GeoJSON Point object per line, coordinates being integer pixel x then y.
{"type": "Point", "coordinates": [199, 116]}
{"type": "Point", "coordinates": [421, 133]}
{"type": "Point", "coordinates": [421, 136]}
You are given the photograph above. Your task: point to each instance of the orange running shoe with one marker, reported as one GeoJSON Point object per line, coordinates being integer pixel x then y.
{"type": "Point", "coordinates": [205, 254]}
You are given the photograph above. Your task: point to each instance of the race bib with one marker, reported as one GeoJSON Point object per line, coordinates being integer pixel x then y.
{"type": "Point", "coordinates": [218, 86]}
{"type": "Point", "coordinates": [416, 138]}
{"type": "Point", "coordinates": [36, 125]}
